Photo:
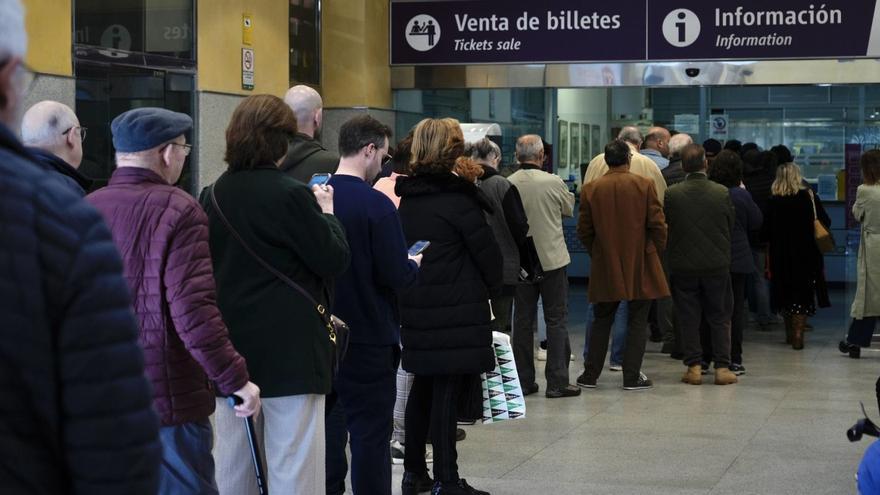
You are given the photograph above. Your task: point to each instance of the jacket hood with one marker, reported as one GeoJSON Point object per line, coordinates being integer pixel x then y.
{"type": "Point", "coordinates": [427, 184]}
{"type": "Point", "coordinates": [301, 147]}
{"type": "Point", "coordinates": [53, 163]}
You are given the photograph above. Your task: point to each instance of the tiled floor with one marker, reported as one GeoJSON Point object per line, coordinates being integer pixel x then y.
{"type": "Point", "coordinates": [781, 430]}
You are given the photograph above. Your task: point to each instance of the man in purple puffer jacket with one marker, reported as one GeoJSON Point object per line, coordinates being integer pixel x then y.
{"type": "Point", "coordinates": [162, 234]}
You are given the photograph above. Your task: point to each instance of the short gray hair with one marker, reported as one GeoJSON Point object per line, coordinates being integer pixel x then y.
{"type": "Point", "coordinates": [481, 149]}
{"type": "Point", "coordinates": [679, 141]}
{"type": "Point", "coordinates": [630, 134]}
{"type": "Point", "coordinates": [304, 101]}
{"type": "Point", "coordinates": [44, 122]}
{"type": "Point", "coordinates": [13, 42]}
{"type": "Point", "coordinates": [529, 148]}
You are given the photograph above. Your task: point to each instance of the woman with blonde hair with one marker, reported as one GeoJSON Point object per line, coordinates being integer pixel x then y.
{"type": "Point", "coordinates": [444, 319]}
{"type": "Point", "coordinates": [866, 304]}
{"type": "Point", "coordinates": [795, 262]}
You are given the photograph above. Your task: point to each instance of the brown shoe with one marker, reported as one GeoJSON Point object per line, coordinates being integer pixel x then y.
{"type": "Point", "coordinates": [723, 376]}
{"type": "Point", "coordinates": [798, 322]}
{"type": "Point", "coordinates": [693, 375]}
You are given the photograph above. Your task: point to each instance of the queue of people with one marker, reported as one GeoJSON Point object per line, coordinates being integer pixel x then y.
{"type": "Point", "coordinates": [149, 308]}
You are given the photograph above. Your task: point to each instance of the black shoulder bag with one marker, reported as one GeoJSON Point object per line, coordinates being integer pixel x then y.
{"type": "Point", "coordinates": [336, 328]}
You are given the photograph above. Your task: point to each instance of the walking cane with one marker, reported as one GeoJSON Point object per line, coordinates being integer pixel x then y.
{"type": "Point", "coordinates": [233, 401]}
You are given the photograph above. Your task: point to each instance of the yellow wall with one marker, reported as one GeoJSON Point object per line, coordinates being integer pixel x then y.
{"type": "Point", "coordinates": [219, 45]}
{"type": "Point", "coordinates": [355, 54]}
{"type": "Point", "coordinates": [49, 29]}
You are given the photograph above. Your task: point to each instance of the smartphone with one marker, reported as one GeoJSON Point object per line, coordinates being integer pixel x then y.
{"type": "Point", "coordinates": [417, 248]}
{"type": "Point", "coordinates": [319, 180]}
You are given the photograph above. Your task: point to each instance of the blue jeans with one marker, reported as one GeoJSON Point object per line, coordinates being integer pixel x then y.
{"type": "Point", "coordinates": [618, 332]}
{"type": "Point", "coordinates": [187, 464]}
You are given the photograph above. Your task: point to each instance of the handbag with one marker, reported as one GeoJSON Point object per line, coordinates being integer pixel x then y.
{"type": "Point", "coordinates": [824, 239]}
{"type": "Point", "coordinates": [337, 329]}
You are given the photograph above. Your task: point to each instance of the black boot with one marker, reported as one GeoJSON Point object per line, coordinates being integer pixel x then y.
{"type": "Point", "coordinates": [414, 483]}
{"type": "Point", "coordinates": [459, 487]}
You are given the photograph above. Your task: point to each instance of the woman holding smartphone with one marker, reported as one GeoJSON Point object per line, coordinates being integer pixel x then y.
{"type": "Point", "coordinates": [445, 318]}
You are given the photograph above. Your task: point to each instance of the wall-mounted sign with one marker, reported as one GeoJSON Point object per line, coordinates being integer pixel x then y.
{"type": "Point", "coordinates": [718, 126]}
{"type": "Point", "coordinates": [247, 68]}
{"type": "Point", "coordinates": [247, 29]}
{"type": "Point", "coordinates": [523, 31]}
{"type": "Point", "coordinates": [688, 123]}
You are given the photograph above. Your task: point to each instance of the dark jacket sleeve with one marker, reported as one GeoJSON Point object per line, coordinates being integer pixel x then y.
{"type": "Point", "coordinates": [754, 217]}
{"type": "Point", "coordinates": [317, 238]}
{"type": "Point", "coordinates": [656, 221]}
{"type": "Point", "coordinates": [481, 244]}
{"type": "Point", "coordinates": [585, 230]}
{"type": "Point", "coordinates": [110, 431]}
{"type": "Point", "coordinates": [192, 299]}
{"type": "Point", "coordinates": [392, 267]}
{"type": "Point", "coordinates": [515, 215]}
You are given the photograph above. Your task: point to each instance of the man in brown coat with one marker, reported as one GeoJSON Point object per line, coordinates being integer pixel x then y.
{"type": "Point", "coordinates": [623, 228]}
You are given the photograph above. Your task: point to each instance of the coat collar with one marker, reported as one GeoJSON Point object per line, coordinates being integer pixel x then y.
{"type": "Point", "coordinates": [488, 172]}
{"type": "Point", "coordinates": [427, 184]}
{"type": "Point", "coordinates": [697, 176]}
{"type": "Point", "coordinates": [53, 163]}
{"type": "Point", "coordinates": [530, 166]}
{"type": "Point", "coordinates": [135, 175]}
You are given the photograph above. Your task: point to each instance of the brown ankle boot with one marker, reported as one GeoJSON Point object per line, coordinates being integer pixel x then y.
{"type": "Point", "coordinates": [723, 376]}
{"type": "Point", "coordinates": [798, 322]}
{"type": "Point", "coordinates": [789, 332]}
{"type": "Point", "coordinates": [693, 375]}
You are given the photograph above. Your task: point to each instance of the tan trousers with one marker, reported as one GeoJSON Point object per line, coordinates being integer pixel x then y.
{"type": "Point", "coordinates": [290, 431]}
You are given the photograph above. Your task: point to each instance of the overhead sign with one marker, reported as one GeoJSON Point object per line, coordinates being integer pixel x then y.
{"type": "Point", "coordinates": [523, 31]}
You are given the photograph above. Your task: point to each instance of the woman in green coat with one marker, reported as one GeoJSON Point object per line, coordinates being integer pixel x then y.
{"type": "Point", "coordinates": [275, 328]}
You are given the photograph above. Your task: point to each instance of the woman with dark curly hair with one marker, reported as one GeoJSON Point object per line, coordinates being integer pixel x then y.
{"type": "Point", "coordinates": [445, 319]}
{"type": "Point", "coordinates": [727, 170]}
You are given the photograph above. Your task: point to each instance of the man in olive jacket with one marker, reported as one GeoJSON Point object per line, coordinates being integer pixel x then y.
{"type": "Point", "coordinates": [306, 156]}
{"type": "Point", "coordinates": [622, 226]}
{"type": "Point", "coordinates": [700, 216]}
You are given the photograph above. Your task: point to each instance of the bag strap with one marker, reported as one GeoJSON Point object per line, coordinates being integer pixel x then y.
{"type": "Point", "coordinates": [322, 311]}
{"type": "Point", "coordinates": [813, 202]}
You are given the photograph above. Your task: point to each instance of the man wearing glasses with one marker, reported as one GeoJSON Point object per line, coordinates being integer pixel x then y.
{"type": "Point", "coordinates": [162, 234]}
{"type": "Point", "coordinates": [52, 132]}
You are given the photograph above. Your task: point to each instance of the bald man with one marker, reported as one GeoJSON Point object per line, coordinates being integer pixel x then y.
{"type": "Point", "coordinates": [306, 156]}
{"type": "Point", "coordinates": [52, 132]}
{"type": "Point", "coordinates": [656, 146]}
{"type": "Point", "coordinates": [639, 164]}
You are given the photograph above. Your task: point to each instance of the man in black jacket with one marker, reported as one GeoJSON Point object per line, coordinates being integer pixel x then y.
{"type": "Point", "coordinates": [55, 137]}
{"type": "Point", "coordinates": [77, 410]}
{"type": "Point", "coordinates": [306, 156]}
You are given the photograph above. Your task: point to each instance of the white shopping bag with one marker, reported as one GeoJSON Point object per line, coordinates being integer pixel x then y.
{"type": "Point", "coordinates": [502, 393]}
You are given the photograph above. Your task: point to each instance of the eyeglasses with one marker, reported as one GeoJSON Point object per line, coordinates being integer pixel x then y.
{"type": "Point", "coordinates": [82, 131]}
{"type": "Point", "coordinates": [187, 148]}
{"type": "Point", "coordinates": [387, 158]}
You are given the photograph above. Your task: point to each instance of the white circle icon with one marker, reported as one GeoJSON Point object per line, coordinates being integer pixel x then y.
{"type": "Point", "coordinates": [681, 27]}
{"type": "Point", "coordinates": [422, 32]}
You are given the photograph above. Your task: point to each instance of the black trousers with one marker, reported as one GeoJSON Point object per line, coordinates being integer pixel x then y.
{"type": "Point", "coordinates": [432, 406]}
{"type": "Point", "coordinates": [636, 338]}
{"type": "Point", "coordinates": [738, 318]}
{"type": "Point", "coordinates": [861, 331]}
{"type": "Point", "coordinates": [698, 297]}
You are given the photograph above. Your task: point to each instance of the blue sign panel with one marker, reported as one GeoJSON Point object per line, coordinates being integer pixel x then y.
{"type": "Point", "coordinates": [516, 31]}
{"type": "Point", "coordinates": [524, 31]}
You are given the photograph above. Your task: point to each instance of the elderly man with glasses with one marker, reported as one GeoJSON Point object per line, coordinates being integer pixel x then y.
{"type": "Point", "coordinates": [52, 132]}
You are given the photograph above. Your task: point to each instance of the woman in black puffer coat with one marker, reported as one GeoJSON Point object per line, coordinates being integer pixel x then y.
{"type": "Point", "coordinates": [445, 318]}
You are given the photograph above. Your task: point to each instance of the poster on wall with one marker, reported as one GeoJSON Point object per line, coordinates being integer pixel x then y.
{"type": "Point", "coordinates": [586, 152]}
{"type": "Point", "coordinates": [574, 155]}
{"type": "Point", "coordinates": [563, 144]}
{"type": "Point", "coordinates": [596, 139]}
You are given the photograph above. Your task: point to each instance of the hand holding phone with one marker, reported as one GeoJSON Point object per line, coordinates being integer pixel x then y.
{"type": "Point", "coordinates": [417, 248]}
{"type": "Point", "coordinates": [319, 180]}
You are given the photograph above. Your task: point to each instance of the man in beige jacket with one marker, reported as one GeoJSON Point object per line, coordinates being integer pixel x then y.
{"type": "Point", "coordinates": [546, 199]}
{"type": "Point", "coordinates": [639, 164]}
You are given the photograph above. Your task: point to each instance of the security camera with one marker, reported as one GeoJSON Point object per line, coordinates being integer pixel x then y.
{"type": "Point", "coordinates": [692, 72]}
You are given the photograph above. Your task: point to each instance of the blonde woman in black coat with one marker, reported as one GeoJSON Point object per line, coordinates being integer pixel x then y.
{"type": "Point", "coordinates": [445, 319]}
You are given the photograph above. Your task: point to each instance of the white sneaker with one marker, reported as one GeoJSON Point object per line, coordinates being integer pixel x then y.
{"type": "Point", "coordinates": [616, 367]}
{"type": "Point", "coordinates": [397, 453]}
{"type": "Point", "coordinates": [541, 355]}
